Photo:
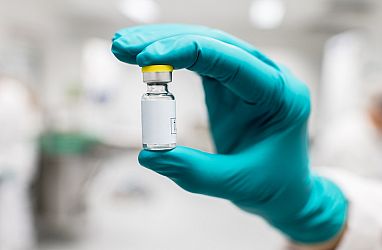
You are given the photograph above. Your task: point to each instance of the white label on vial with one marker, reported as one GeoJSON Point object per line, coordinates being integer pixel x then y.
{"type": "Point", "coordinates": [158, 122]}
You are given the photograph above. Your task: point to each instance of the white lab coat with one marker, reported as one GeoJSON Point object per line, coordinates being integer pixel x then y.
{"type": "Point", "coordinates": [365, 215]}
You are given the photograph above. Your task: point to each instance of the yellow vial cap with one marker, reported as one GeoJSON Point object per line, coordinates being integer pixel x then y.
{"type": "Point", "coordinates": [157, 68]}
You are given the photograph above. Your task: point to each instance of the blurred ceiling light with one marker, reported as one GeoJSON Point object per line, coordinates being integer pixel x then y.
{"type": "Point", "coordinates": [267, 14]}
{"type": "Point", "coordinates": [140, 11]}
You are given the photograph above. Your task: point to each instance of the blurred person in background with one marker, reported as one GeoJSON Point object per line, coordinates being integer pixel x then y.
{"type": "Point", "coordinates": [20, 126]}
{"type": "Point", "coordinates": [354, 140]}
{"type": "Point", "coordinates": [258, 112]}
{"type": "Point", "coordinates": [351, 136]}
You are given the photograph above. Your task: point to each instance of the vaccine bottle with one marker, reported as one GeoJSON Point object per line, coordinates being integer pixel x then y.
{"type": "Point", "coordinates": [158, 109]}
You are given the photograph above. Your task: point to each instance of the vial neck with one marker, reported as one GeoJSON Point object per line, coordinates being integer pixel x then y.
{"type": "Point", "coordinates": [157, 88]}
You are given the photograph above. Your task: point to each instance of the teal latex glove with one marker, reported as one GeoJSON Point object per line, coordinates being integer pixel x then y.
{"type": "Point", "coordinates": [258, 114]}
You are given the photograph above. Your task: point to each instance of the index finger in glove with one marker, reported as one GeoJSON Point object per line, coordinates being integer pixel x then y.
{"type": "Point", "coordinates": [245, 75]}
{"type": "Point", "coordinates": [129, 42]}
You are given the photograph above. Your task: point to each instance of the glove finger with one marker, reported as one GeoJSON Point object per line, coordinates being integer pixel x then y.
{"type": "Point", "coordinates": [245, 75]}
{"type": "Point", "coordinates": [193, 170]}
{"type": "Point", "coordinates": [129, 42]}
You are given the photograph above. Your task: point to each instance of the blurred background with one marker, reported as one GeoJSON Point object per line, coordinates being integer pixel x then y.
{"type": "Point", "coordinates": [70, 117]}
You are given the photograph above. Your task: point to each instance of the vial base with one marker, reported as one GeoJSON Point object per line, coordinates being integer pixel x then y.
{"type": "Point", "coordinates": [158, 147]}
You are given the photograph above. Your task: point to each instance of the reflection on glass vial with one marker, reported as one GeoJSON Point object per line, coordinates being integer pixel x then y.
{"type": "Point", "coordinates": [158, 109]}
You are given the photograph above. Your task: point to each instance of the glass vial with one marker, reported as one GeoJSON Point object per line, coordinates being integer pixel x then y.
{"type": "Point", "coordinates": [158, 109]}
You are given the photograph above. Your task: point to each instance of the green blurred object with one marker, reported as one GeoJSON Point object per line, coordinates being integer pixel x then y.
{"type": "Point", "coordinates": [68, 161]}
{"type": "Point", "coordinates": [58, 143]}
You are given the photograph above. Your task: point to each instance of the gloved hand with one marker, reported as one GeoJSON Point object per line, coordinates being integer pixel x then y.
{"type": "Point", "coordinates": [258, 114]}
